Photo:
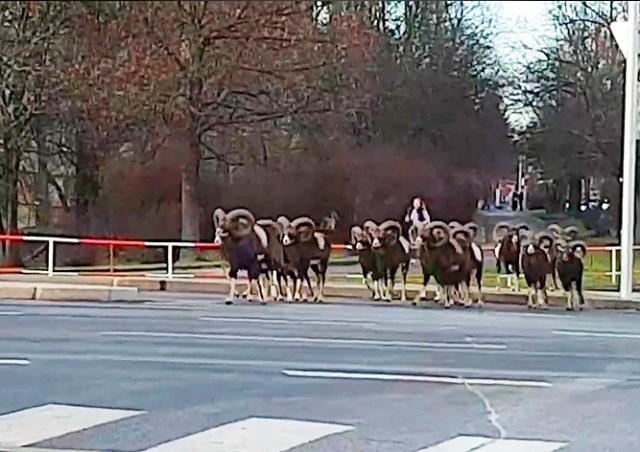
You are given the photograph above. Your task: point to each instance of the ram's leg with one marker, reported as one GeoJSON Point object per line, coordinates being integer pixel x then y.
{"type": "Point", "coordinates": [250, 290]}
{"type": "Point", "coordinates": [478, 275]}
{"type": "Point", "coordinates": [308, 280]}
{"type": "Point", "coordinates": [260, 291]}
{"type": "Point", "coordinates": [281, 276]}
{"type": "Point", "coordinates": [232, 291]}
{"type": "Point", "coordinates": [297, 293]}
{"type": "Point", "coordinates": [545, 298]}
{"type": "Point", "coordinates": [262, 281]}
{"type": "Point", "coordinates": [323, 279]}
{"type": "Point", "coordinates": [403, 294]}
{"type": "Point", "coordinates": [570, 299]}
{"type": "Point", "coordinates": [448, 296]}
{"type": "Point", "coordinates": [465, 291]}
{"type": "Point", "coordinates": [530, 302]}
{"type": "Point", "coordinates": [440, 293]}
{"type": "Point", "coordinates": [392, 284]}
{"type": "Point", "coordinates": [290, 290]}
{"type": "Point", "coordinates": [542, 296]}
{"type": "Point", "coordinates": [365, 281]}
{"type": "Point", "coordinates": [247, 293]}
{"type": "Point", "coordinates": [273, 285]}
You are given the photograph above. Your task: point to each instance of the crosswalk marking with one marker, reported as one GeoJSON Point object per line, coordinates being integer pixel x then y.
{"type": "Point", "coordinates": [26, 427]}
{"type": "Point", "coordinates": [484, 444]}
{"type": "Point", "coordinates": [253, 435]}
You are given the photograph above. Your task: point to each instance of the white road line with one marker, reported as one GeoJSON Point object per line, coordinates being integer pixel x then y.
{"type": "Point", "coordinates": [14, 362]}
{"type": "Point", "coordinates": [416, 378]}
{"type": "Point", "coordinates": [484, 444]}
{"type": "Point", "coordinates": [597, 334]}
{"type": "Point", "coordinates": [286, 321]}
{"type": "Point", "coordinates": [10, 313]}
{"type": "Point", "coordinates": [30, 426]}
{"type": "Point", "coordinates": [253, 435]}
{"type": "Point", "coordinates": [459, 444]}
{"type": "Point", "coordinates": [306, 340]}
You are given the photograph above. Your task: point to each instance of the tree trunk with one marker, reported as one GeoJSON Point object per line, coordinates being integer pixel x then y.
{"type": "Point", "coordinates": [12, 257]}
{"type": "Point", "coordinates": [575, 194]}
{"type": "Point", "coordinates": [190, 208]}
{"type": "Point", "coordinates": [87, 185]}
{"type": "Point", "coordinates": [43, 209]}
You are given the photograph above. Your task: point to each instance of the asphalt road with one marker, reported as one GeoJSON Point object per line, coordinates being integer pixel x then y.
{"type": "Point", "coordinates": [194, 365]}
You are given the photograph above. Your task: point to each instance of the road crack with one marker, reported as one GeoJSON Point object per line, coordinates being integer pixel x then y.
{"type": "Point", "coordinates": [492, 414]}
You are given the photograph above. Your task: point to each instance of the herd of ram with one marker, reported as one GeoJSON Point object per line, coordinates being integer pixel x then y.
{"type": "Point", "coordinates": [277, 255]}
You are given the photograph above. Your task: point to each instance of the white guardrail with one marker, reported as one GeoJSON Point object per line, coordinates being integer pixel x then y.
{"type": "Point", "coordinates": [170, 246]}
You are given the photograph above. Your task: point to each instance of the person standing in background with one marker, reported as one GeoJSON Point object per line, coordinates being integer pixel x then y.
{"type": "Point", "coordinates": [417, 213]}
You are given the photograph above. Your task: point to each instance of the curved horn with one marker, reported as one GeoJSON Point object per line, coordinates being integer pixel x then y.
{"type": "Point", "coordinates": [559, 244]}
{"type": "Point", "coordinates": [522, 226]}
{"type": "Point", "coordinates": [390, 224]}
{"type": "Point", "coordinates": [356, 233]}
{"type": "Point", "coordinates": [555, 229]}
{"type": "Point", "coordinates": [461, 233]}
{"type": "Point", "coordinates": [218, 217]}
{"type": "Point", "coordinates": [454, 224]}
{"type": "Point", "coordinates": [571, 232]}
{"type": "Point", "coordinates": [578, 245]}
{"type": "Point", "coordinates": [473, 228]}
{"type": "Point", "coordinates": [430, 228]}
{"type": "Point", "coordinates": [283, 221]}
{"type": "Point", "coordinates": [501, 226]}
{"type": "Point", "coordinates": [544, 237]}
{"type": "Point", "coordinates": [268, 222]}
{"type": "Point", "coordinates": [242, 213]}
{"type": "Point", "coordinates": [369, 225]}
{"type": "Point", "coordinates": [303, 221]}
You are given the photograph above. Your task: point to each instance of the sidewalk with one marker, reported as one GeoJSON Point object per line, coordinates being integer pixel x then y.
{"type": "Point", "coordinates": [106, 288]}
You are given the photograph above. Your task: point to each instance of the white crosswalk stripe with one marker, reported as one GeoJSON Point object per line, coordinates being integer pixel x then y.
{"type": "Point", "coordinates": [484, 444]}
{"type": "Point", "coordinates": [33, 425]}
{"type": "Point", "coordinates": [254, 435]}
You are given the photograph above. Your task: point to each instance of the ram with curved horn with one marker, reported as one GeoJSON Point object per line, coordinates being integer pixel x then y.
{"type": "Point", "coordinates": [571, 271]}
{"type": "Point", "coordinates": [508, 250]}
{"type": "Point", "coordinates": [546, 239]}
{"type": "Point", "coordinates": [441, 257]}
{"type": "Point", "coordinates": [273, 266]}
{"type": "Point", "coordinates": [536, 266]}
{"type": "Point", "coordinates": [306, 248]}
{"type": "Point", "coordinates": [361, 242]}
{"type": "Point", "coordinates": [429, 239]}
{"type": "Point", "coordinates": [392, 251]}
{"type": "Point", "coordinates": [244, 245]}
{"type": "Point", "coordinates": [474, 260]}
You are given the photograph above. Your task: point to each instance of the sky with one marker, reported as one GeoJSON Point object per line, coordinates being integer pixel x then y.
{"type": "Point", "coordinates": [521, 29]}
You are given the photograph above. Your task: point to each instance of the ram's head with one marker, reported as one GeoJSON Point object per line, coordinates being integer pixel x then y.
{"type": "Point", "coordinates": [235, 224]}
{"type": "Point", "coordinates": [299, 230]}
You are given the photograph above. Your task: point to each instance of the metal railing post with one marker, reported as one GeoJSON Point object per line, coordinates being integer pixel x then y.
{"type": "Point", "coordinates": [614, 265]}
{"type": "Point", "coordinates": [170, 261]}
{"type": "Point", "coordinates": [50, 257]}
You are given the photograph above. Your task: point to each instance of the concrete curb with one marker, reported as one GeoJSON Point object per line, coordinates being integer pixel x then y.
{"type": "Point", "coordinates": [130, 288]}
{"type": "Point", "coordinates": [65, 292]}
{"type": "Point", "coordinates": [361, 292]}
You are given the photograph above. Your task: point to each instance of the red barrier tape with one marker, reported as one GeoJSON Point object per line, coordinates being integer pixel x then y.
{"type": "Point", "coordinates": [197, 245]}
{"type": "Point", "coordinates": [114, 242]}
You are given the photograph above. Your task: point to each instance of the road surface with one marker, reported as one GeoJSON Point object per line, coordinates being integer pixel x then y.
{"type": "Point", "coordinates": [197, 376]}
